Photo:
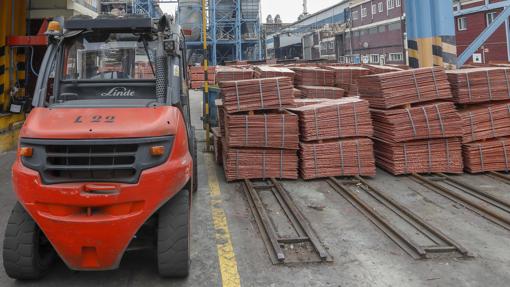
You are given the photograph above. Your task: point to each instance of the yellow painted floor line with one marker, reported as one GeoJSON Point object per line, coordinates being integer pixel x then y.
{"type": "Point", "coordinates": [226, 256]}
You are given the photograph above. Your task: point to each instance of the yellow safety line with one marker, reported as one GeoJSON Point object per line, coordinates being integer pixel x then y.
{"type": "Point", "coordinates": [226, 256]}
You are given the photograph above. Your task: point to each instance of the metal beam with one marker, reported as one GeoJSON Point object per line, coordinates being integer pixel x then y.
{"type": "Point", "coordinates": [484, 36]}
{"type": "Point", "coordinates": [487, 7]}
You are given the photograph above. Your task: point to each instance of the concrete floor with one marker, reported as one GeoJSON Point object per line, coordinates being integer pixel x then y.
{"type": "Point", "coordinates": [363, 256]}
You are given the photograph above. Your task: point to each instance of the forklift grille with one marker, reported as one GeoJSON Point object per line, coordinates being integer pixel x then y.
{"type": "Point", "coordinates": [122, 160]}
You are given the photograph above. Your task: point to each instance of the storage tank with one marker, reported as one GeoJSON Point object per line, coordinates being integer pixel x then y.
{"type": "Point", "coordinates": [190, 18]}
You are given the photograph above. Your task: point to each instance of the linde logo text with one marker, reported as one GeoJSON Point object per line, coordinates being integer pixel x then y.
{"type": "Point", "coordinates": [119, 92]}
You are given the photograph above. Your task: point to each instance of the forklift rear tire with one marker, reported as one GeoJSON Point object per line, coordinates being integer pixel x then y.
{"type": "Point", "coordinates": [173, 244]}
{"type": "Point", "coordinates": [27, 254]}
{"type": "Point", "coordinates": [194, 187]}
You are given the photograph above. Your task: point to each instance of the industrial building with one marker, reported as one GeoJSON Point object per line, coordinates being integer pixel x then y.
{"type": "Point", "coordinates": [225, 143]}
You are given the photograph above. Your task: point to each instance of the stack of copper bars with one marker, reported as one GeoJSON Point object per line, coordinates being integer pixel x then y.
{"type": "Point", "coordinates": [378, 69]}
{"type": "Point", "coordinates": [347, 78]}
{"type": "Point", "coordinates": [232, 74]}
{"type": "Point", "coordinates": [272, 72]}
{"type": "Point", "coordinates": [313, 76]}
{"type": "Point", "coordinates": [490, 155]}
{"type": "Point", "coordinates": [197, 76]}
{"type": "Point", "coordinates": [480, 85]}
{"type": "Point", "coordinates": [335, 139]}
{"type": "Point", "coordinates": [261, 139]}
{"type": "Point", "coordinates": [314, 92]}
{"type": "Point", "coordinates": [412, 132]}
{"type": "Point", "coordinates": [257, 94]}
{"type": "Point", "coordinates": [389, 90]}
{"type": "Point", "coordinates": [306, 102]}
{"type": "Point", "coordinates": [297, 93]}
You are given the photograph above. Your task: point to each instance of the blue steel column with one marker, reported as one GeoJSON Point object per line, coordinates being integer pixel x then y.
{"type": "Point", "coordinates": [239, 52]}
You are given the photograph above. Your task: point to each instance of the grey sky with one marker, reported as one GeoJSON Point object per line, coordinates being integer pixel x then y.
{"type": "Point", "coordinates": [289, 10]}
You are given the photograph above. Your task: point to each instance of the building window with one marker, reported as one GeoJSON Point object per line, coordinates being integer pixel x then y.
{"type": "Point", "coordinates": [396, 57]}
{"type": "Point", "coordinates": [374, 9]}
{"type": "Point", "coordinates": [490, 17]}
{"type": "Point", "coordinates": [462, 24]}
{"type": "Point", "coordinates": [372, 30]}
{"type": "Point", "coordinates": [381, 7]}
{"type": "Point", "coordinates": [397, 3]}
{"type": "Point", "coordinates": [374, 59]}
{"type": "Point", "coordinates": [382, 28]}
{"type": "Point", "coordinates": [390, 4]}
{"type": "Point", "coordinates": [341, 59]}
{"type": "Point", "coordinates": [355, 15]}
{"type": "Point", "coordinates": [363, 12]}
{"type": "Point", "coordinates": [394, 26]}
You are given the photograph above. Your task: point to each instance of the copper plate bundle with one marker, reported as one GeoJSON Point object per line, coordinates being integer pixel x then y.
{"type": "Point", "coordinates": [347, 78]}
{"type": "Point", "coordinates": [252, 163]}
{"type": "Point", "coordinates": [337, 158]}
{"type": "Point", "coordinates": [257, 94]}
{"type": "Point", "coordinates": [221, 116]}
{"type": "Point", "coordinates": [314, 92]}
{"type": "Point", "coordinates": [271, 72]}
{"type": "Point", "coordinates": [232, 74]}
{"type": "Point", "coordinates": [492, 155]}
{"type": "Point", "coordinates": [307, 102]}
{"type": "Point", "coordinates": [421, 156]}
{"type": "Point", "coordinates": [439, 120]}
{"type": "Point", "coordinates": [485, 122]}
{"type": "Point", "coordinates": [218, 145]}
{"type": "Point", "coordinates": [480, 85]}
{"type": "Point", "coordinates": [311, 76]}
{"type": "Point", "coordinates": [268, 130]}
{"type": "Point", "coordinates": [347, 117]}
{"type": "Point", "coordinates": [297, 93]}
{"type": "Point", "coordinates": [395, 89]}
{"type": "Point", "coordinates": [378, 69]}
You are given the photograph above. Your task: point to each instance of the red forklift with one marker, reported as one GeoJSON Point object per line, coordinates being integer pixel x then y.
{"type": "Point", "coordinates": [107, 157]}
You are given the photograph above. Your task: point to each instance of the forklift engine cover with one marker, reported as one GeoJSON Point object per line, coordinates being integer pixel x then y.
{"type": "Point", "coordinates": [90, 224]}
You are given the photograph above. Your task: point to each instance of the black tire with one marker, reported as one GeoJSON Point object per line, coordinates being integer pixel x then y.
{"type": "Point", "coordinates": [194, 154]}
{"type": "Point", "coordinates": [27, 254]}
{"type": "Point", "coordinates": [173, 234]}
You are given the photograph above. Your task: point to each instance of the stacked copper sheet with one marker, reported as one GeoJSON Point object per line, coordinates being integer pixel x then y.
{"type": "Point", "coordinates": [347, 78]}
{"type": "Point", "coordinates": [221, 116]}
{"type": "Point", "coordinates": [272, 72]}
{"type": "Point", "coordinates": [347, 117]}
{"type": "Point", "coordinates": [218, 146]}
{"type": "Point", "coordinates": [378, 69]}
{"type": "Point", "coordinates": [314, 92]}
{"type": "Point", "coordinates": [491, 155]}
{"type": "Point", "coordinates": [389, 90]}
{"type": "Point", "coordinates": [253, 163]}
{"type": "Point", "coordinates": [422, 156]}
{"type": "Point", "coordinates": [439, 120]}
{"type": "Point", "coordinates": [480, 85]}
{"type": "Point", "coordinates": [337, 158]}
{"type": "Point", "coordinates": [232, 74]}
{"type": "Point", "coordinates": [485, 122]}
{"type": "Point", "coordinates": [312, 76]}
{"type": "Point", "coordinates": [297, 93]}
{"type": "Point", "coordinates": [196, 77]}
{"type": "Point", "coordinates": [307, 102]}
{"type": "Point", "coordinates": [257, 94]}
{"type": "Point", "coordinates": [267, 130]}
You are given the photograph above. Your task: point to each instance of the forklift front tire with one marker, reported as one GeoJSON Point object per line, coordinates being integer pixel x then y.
{"type": "Point", "coordinates": [173, 234]}
{"type": "Point", "coordinates": [27, 254]}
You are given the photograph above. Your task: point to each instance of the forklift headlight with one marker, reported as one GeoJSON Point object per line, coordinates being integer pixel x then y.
{"type": "Point", "coordinates": [26, 151]}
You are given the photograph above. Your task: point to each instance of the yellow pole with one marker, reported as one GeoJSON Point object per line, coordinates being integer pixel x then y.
{"type": "Point", "coordinates": [206, 78]}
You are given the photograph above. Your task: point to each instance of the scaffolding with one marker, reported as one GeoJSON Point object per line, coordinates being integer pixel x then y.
{"type": "Point", "coordinates": [234, 30]}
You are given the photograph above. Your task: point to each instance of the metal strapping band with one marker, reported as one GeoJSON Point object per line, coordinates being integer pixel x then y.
{"type": "Point", "coordinates": [261, 94]}
{"type": "Point", "coordinates": [507, 82]}
{"type": "Point", "coordinates": [265, 130]}
{"type": "Point", "coordinates": [237, 94]}
{"type": "Point", "coordinates": [315, 159]}
{"type": "Point", "coordinates": [430, 155]}
{"type": "Point", "coordinates": [469, 87]}
{"type": "Point", "coordinates": [440, 120]}
{"type": "Point", "coordinates": [339, 121]}
{"type": "Point", "coordinates": [435, 83]}
{"type": "Point", "coordinates": [426, 120]}
{"type": "Point", "coordinates": [416, 85]}
{"type": "Point", "coordinates": [283, 131]}
{"type": "Point", "coordinates": [264, 165]}
{"type": "Point", "coordinates": [489, 85]}
{"type": "Point", "coordinates": [506, 155]}
{"type": "Point", "coordinates": [482, 162]}
{"type": "Point", "coordinates": [472, 125]}
{"type": "Point", "coordinates": [491, 117]}
{"type": "Point", "coordinates": [448, 161]}
{"type": "Point", "coordinates": [278, 90]}
{"type": "Point", "coordinates": [355, 118]}
{"type": "Point", "coordinates": [246, 126]}
{"type": "Point", "coordinates": [281, 163]}
{"type": "Point", "coordinates": [316, 122]}
{"type": "Point", "coordinates": [342, 157]}
{"type": "Point", "coordinates": [358, 156]}
{"type": "Point", "coordinates": [405, 159]}
{"type": "Point", "coordinates": [412, 122]}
